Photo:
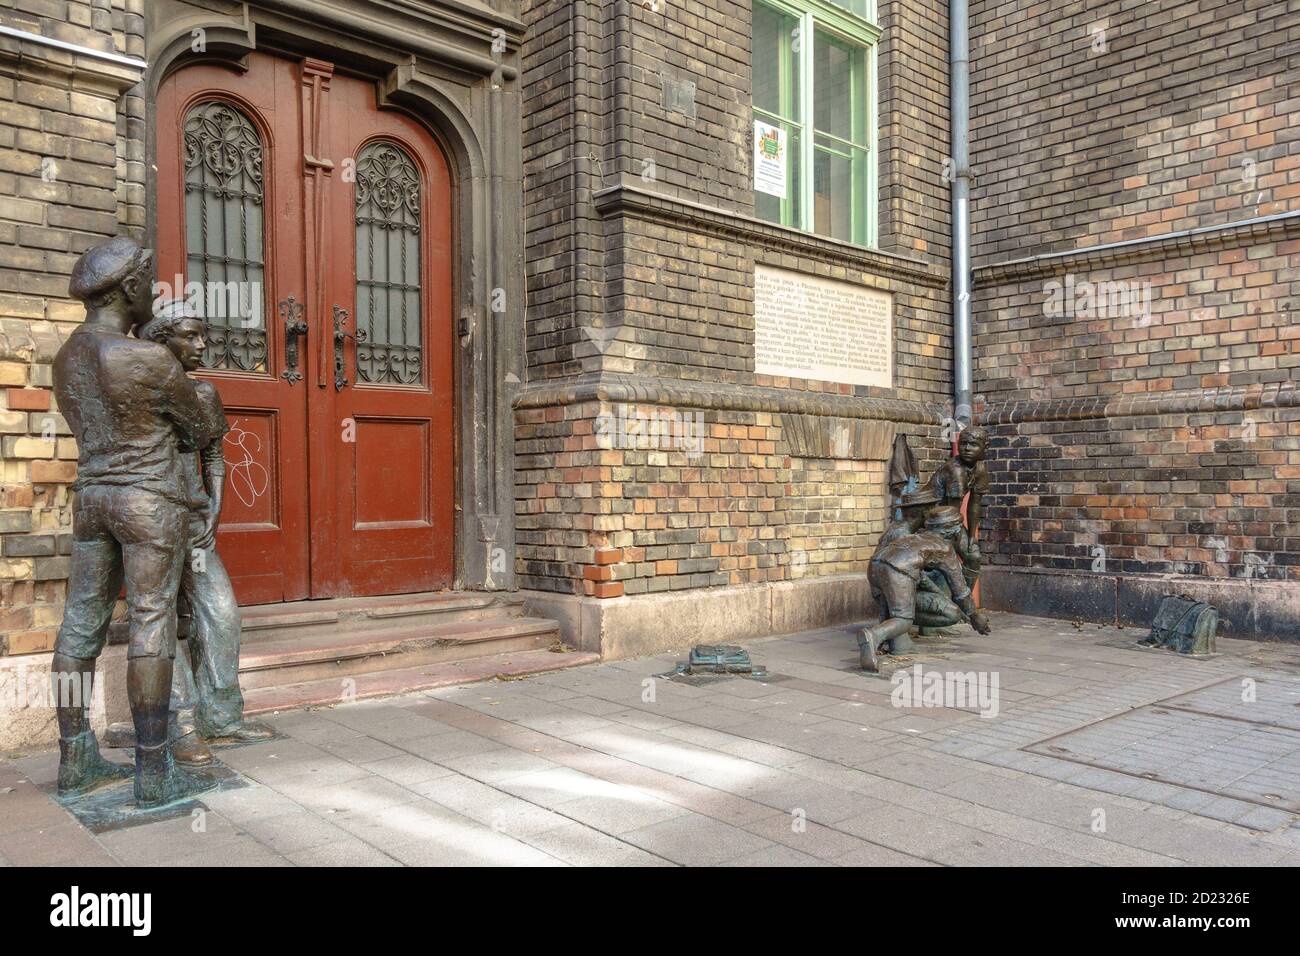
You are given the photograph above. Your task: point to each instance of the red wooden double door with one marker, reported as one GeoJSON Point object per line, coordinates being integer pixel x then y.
{"type": "Point", "coordinates": [313, 230]}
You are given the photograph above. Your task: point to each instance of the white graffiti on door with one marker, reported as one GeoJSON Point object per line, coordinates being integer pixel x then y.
{"type": "Point", "coordinates": [245, 475]}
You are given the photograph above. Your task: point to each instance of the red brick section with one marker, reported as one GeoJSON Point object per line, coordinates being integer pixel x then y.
{"type": "Point", "coordinates": [1187, 118]}
{"type": "Point", "coordinates": [74, 173]}
{"type": "Point", "coordinates": [606, 521]}
{"type": "Point", "coordinates": [1170, 440]}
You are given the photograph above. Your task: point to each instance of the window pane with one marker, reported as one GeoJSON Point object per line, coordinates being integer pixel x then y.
{"type": "Point", "coordinates": [840, 190]}
{"type": "Point", "coordinates": [388, 267]}
{"type": "Point", "coordinates": [784, 212]}
{"type": "Point", "coordinates": [853, 6]}
{"type": "Point", "coordinates": [840, 85]}
{"type": "Point", "coordinates": [223, 233]}
{"type": "Point", "coordinates": [776, 65]}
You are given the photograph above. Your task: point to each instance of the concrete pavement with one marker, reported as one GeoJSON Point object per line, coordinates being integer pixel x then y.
{"type": "Point", "coordinates": [1059, 745]}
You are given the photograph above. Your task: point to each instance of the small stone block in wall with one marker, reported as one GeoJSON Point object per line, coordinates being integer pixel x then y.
{"type": "Point", "coordinates": [28, 546]}
{"type": "Point", "coordinates": [29, 399]}
{"type": "Point", "coordinates": [32, 642]}
{"type": "Point", "coordinates": [24, 447]}
{"type": "Point", "coordinates": [54, 472]}
{"type": "Point", "coordinates": [13, 373]}
{"type": "Point", "coordinates": [52, 569]}
{"type": "Point", "coordinates": [15, 522]}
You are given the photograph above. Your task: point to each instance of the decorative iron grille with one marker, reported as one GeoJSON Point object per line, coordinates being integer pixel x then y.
{"type": "Point", "coordinates": [224, 234]}
{"type": "Point", "coordinates": [388, 267]}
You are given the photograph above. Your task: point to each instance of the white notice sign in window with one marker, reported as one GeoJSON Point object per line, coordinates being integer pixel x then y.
{"type": "Point", "coordinates": [770, 158]}
{"type": "Point", "coordinates": [821, 329]}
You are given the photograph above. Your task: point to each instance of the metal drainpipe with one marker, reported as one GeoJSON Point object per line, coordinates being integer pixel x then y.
{"type": "Point", "coordinates": [959, 79]}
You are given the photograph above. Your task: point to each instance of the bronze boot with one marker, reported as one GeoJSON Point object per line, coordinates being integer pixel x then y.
{"type": "Point", "coordinates": [82, 768]}
{"type": "Point", "coordinates": [867, 651]}
{"type": "Point", "coordinates": [191, 751]}
{"type": "Point", "coordinates": [159, 781]}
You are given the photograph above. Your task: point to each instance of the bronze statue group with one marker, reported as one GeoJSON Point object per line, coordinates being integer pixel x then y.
{"type": "Point", "coordinates": [927, 561]}
{"type": "Point", "coordinates": [148, 499]}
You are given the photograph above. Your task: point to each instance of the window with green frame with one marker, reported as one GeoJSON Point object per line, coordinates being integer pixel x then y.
{"type": "Point", "coordinates": [821, 95]}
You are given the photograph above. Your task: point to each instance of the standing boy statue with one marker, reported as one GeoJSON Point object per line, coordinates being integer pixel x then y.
{"type": "Point", "coordinates": [133, 411]}
{"type": "Point", "coordinates": [206, 701]}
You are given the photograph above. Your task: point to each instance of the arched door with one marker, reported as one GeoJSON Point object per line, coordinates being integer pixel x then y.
{"type": "Point", "coordinates": [314, 230]}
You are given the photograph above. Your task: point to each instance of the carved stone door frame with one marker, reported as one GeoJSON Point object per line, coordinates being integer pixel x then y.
{"type": "Point", "coordinates": [463, 84]}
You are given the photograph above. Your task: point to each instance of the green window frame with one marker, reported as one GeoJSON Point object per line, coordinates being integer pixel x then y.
{"type": "Point", "coordinates": [831, 176]}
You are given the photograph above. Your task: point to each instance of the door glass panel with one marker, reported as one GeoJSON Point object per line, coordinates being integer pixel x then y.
{"type": "Point", "coordinates": [224, 257]}
{"type": "Point", "coordinates": [388, 267]}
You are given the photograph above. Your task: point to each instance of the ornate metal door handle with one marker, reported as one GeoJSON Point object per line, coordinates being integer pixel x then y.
{"type": "Point", "coordinates": [294, 327]}
{"type": "Point", "coordinates": [340, 336]}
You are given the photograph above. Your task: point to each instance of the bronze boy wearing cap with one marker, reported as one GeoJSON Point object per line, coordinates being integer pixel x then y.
{"type": "Point", "coordinates": [133, 411]}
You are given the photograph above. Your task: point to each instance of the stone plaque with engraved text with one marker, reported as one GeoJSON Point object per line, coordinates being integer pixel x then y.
{"type": "Point", "coordinates": [814, 328]}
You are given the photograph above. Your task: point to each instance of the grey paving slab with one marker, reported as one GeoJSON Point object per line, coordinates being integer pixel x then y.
{"type": "Point", "coordinates": [811, 839]}
{"type": "Point", "coordinates": [985, 849]}
{"type": "Point", "coordinates": [629, 809]}
{"type": "Point", "coordinates": [471, 847]}
{"type": "Point", "coordinates": [399, 824]}
{"type": "Point", "coordinates": [873, 855]}
{"type": "Point", "coordinates": [907, 831]}
{"type": "Point", "coordinates": [248, 803]}
{"type": "Point", "coordinates": [495, 765]}
{"type": "Point", "coordinates": [442, 747]}
{"type": "Point", "coordinates": [292, 832]}
{"type": "Point", "coordinates": [243, 851]}
{"type": "Point", "coordinates": [775, 856]}
{"type": "Point", "coordinates": [580, 845]}
{"type": "Point", "coordinates": [349, 853]}
{"type": "Point", "coordinates": [65, 844]}
{"type": "Point", "coordinates": [406, 769]}
{"type": "Point", "coordinates": [170, 842]}
{"type": "Point", "coordinates": [555, 787]}
{"type": "Point", "coordinates": [694, 840]}
{"type": "Point", "coordinates": [366, 794]}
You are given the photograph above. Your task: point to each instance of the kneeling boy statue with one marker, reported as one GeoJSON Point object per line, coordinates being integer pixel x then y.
{"type": "Point", "coordinates": [918, 580]}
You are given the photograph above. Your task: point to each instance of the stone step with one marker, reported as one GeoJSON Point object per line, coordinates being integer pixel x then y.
{"type": "Point", "coordinates": [404, 680]}
{"type": "Point", "coordinates": [296, 619]}
{"type": "Point", "coordinates": [300, 618]}
{"type": "Point", "coordinates": [341, 652]}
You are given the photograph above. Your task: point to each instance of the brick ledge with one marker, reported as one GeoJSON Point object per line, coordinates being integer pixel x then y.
{"type": "Point", "coordinates": [1225, 399]}
{"type": "Point", "coordinates": [1187, 242]}
{"type": "Point", "coordinates": [675, 393]}
{"type": "Point", "coordinates": [658, 207]}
